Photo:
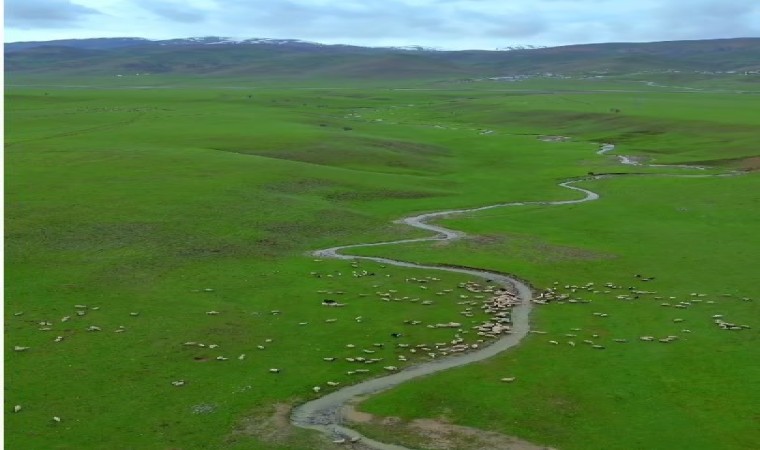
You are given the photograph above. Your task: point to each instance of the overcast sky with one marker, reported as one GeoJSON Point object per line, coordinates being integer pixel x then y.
{"type": "Point", "coordinates": [447, 24]}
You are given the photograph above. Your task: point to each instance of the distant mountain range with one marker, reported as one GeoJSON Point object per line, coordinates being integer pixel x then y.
{"type": "Point", "coordinates": [291, 58]}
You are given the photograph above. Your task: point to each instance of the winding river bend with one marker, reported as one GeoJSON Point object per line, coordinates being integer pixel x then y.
{"type": "Point", "coordinates": [324, 414]}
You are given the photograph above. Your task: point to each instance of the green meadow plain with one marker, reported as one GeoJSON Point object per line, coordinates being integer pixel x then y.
{"type": "Point", "coordinates": [150, 208]}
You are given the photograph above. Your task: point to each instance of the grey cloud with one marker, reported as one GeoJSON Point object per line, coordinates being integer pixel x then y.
{"type": "Point", "coordinates": [514, 24]}
{"type": "Point", "coordinates": [28, 14]}
{"type": "Point", "coordinates": [708, 18]}
{"type": "Point", "coordinates": [388, 19]}
{"type": "Point", "coordinates": [174, 11]}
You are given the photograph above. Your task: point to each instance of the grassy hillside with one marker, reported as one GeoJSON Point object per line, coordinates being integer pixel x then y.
{"type": "Point", "coordinates": [140, 212]}
{"type": "Point", "coordinates": [305, 61]}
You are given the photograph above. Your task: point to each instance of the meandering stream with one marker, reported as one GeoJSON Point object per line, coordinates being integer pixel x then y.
{"type": "Point", "coordinates": [324, 413]}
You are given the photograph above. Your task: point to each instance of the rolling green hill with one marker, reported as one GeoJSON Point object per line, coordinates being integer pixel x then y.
{"type": "Point", "coordinates": [292, 59]}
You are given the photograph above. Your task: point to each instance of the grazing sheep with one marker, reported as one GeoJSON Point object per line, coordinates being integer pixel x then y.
{"type": "Point", "coordinates": [17, 408]}
{"type": "Point", "coordinates": [508, 379]}
{"type": "Point", "coordinates": [178, 383]}
{"type": "Point", "coordinates": [316, 389]}
{"type": "Point", "coordinates": [56, 419]}
{"type": "Point", "coordinates": [242, 356]}
{"type": "Point", "coordinates": [274, 370]}
{"type": "Point", "coordinates": [212, 313]}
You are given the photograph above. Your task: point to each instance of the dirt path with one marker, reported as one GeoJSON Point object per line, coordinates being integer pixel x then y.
{"type": "Point", "coordinates": [324, 414]}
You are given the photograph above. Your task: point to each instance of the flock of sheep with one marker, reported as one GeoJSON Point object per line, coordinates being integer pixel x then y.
{"type": "Point", "coordinates": [475, 299]}
{"type": "Point", "coordinates": [484, 315]}
{"type": "Point", "coordinates": [572, 294]}
{"type": "Point", "coordinates": [48, 325]}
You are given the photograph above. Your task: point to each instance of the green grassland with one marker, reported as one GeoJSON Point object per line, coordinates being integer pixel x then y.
{"type": "Point", "coordinates": [171, 203]}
